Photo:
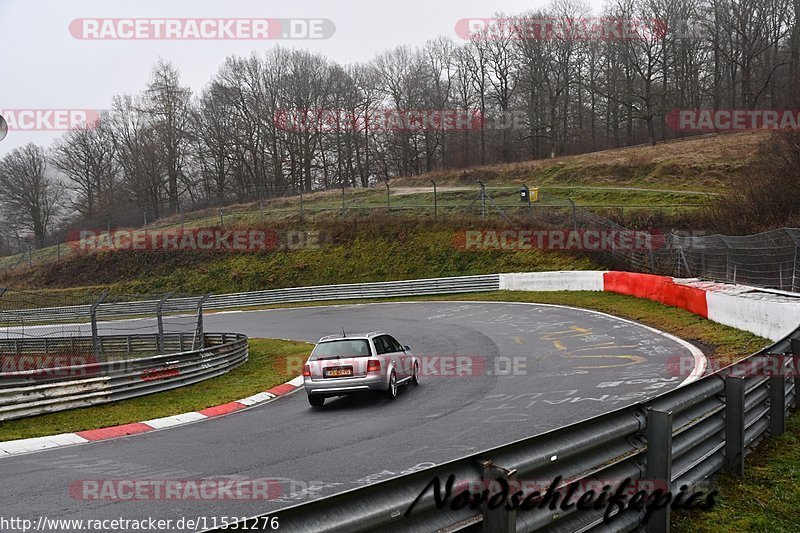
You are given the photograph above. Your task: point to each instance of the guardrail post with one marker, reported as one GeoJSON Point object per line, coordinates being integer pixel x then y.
{"type": "Point", "coordinates": [659, 463]}
{"type": "Point", "coordinates": [777, 396]}
{"type": "Point", "coordinates": [198, 331]}
{"type": "Point", "coordinates": [160, 320]}
{"type": "Point", "coordinates": [500, 519]}
{"type": "Point", "coordinates": [734, 424]}
{"type": "Point", "coordinates": [96, 346]}
{"type": "Point", "coordinates": [795, 349]}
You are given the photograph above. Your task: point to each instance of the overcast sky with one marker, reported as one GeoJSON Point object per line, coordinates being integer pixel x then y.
{"type": "Point", "coordinates": [42, 66]}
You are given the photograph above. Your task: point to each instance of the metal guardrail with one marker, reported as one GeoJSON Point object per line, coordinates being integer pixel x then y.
{"type": "Point", "coordinates": [682, 437]}
{"type": "Point", "coordinates": [44, 390]}
{"type": "Point", "coordinates": [383, 289]}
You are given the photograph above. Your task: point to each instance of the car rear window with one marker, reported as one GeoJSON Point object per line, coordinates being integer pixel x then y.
{"type": "Point", "coordinates": [341, 348]}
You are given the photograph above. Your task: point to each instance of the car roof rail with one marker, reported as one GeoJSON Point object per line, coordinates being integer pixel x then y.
{"type": "Point", "coordinates": [330, 337]}
{"type": "Point", "coordinates": [350, 336]}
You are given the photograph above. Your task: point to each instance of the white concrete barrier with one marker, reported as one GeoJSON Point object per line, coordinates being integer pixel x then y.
{"type": "Point", "coordinates": [765, 317]}
{"type": "Point", "coordinates": [579, 280]}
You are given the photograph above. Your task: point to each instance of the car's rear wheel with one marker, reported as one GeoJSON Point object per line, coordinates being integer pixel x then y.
{"type": "Point", "coordinates": [415, 375]}
{"type": "Point", "coordinates": [391, 391]}
{"type": "Point", "coordinates": [316, 401]}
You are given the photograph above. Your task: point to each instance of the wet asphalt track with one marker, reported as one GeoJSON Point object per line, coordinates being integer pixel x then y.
{"type": "Point", "coordinates": [570, 365]}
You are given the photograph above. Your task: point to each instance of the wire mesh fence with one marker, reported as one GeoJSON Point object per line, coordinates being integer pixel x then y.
{"type": "Point", "coordinates": [67, 328]}
{"type": "Point", "coordinates": [439, 204]}
{"type": "Point", "coordinates": [768, 259]}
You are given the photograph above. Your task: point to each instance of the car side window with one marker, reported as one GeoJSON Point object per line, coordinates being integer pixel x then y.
{"type": "Point", "coordinates": [381, 346]}
{"type": "Point", "coordinates": [394, 344]}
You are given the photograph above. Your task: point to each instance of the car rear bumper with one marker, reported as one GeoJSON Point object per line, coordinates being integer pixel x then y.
{"type": "Point", "coordinates": [337, 386]}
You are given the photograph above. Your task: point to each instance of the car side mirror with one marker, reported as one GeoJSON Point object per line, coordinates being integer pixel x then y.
{"type": "Point", "coordinates": [406, 349]}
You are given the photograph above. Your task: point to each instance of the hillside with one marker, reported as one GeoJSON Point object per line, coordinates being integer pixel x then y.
{"type": "Point", "coordinates": [364, 244]}
{"type": "Point", "coordinates": [704, 163]}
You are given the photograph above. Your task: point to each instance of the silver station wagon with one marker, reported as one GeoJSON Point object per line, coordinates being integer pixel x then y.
{"type": "Point", "coordinates": [346, 364]}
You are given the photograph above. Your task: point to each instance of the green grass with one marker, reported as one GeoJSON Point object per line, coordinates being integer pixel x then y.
{"type": "Point", "coordinates": [765, 500]}
{"type": "Point", "coordinates": [450, 203]}
{"type": "Point", "coordinates": [395, 254]}
{"type": "Point", "coordinates": [271, 363]}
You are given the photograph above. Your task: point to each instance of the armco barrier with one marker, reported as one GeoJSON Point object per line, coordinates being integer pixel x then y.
{"type": "Point", "coordinates": [677, 440]}
{"type": "Point", "coordinates": [33, 392]}
{"type": "Point", "coordinates": [352, 291]}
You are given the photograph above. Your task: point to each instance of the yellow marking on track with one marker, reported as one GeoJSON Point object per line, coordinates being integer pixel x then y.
{"type": "Point", "coordinates": [519, 340]}
{"type": "Point", "coordinates": [559, 345]}
{"type": "Point", "coordinates": [573, 331]}
{"type": "Point", "coordinates": [634, 359]}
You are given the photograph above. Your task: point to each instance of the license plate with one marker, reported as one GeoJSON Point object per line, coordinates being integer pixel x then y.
{"type": "Point", "coordinates": [338, 372]}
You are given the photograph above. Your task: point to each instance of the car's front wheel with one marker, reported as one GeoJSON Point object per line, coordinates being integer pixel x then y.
{"type": "Point", "coordinates": [316, 401]}
{"type": "Point", "coordinates": [415, 375]}
{"type": "Point", "coordinates": [391, 391]}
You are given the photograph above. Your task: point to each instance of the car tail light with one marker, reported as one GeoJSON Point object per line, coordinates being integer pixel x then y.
{"type": "Point", "coordinates": [306, 371]}
{"type": "Point", "coordinates": [373, 365]}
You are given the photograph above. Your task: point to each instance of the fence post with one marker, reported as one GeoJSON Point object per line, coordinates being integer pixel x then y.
{"type": "Point", "coordinates": [198, 330]}
{"type": "Point", "coordinates": [160, 320]}
{"type": "Point", "coordinates": [530, 205]}
{"type": "Point", "coordinates": [221, 219]}
{"type": "Point", "coordinates": [483, 199]}
{"type": "Point", "coordinates": [344, 207]}
{"type": "Point", "coordinates": [727, 259]}
{"type": "Point", "coordinates": [777, 395]}
{"type": "Point", "coordinates": [734, 425]}
{"type": "Point", "coordinates": [435, 206]}
{"type": "Point", "coordinates": [499, 519]}
{"type": "Point", "coordinates": [659, 463]}
{"type": "Point", "coordinates": [795, 351]}
{"type": "Point", "coordinates": [301, 206]}
{"type": "Point", "coordinates": [96, 346]}
{"type": "Point", "coordinates": [574, 217]}
{"type": "Point", "coordinates": [261, 209]}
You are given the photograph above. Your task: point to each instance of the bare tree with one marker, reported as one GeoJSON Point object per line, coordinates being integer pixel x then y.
{"type": "Point", "coordinates": [30, 197]}
{"type": "Point", "coordinates": [85, 157]}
